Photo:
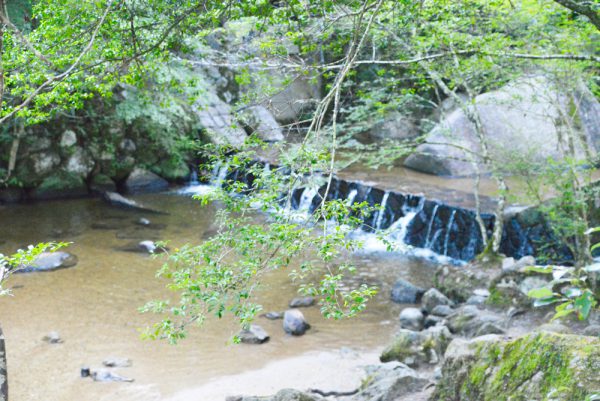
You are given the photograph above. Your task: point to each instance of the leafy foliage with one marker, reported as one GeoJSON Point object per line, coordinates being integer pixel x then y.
{"type": "Point", "coordinates": [221, 275]}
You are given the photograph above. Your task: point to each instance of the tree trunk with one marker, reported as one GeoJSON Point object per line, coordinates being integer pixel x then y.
{"type": "Point", "coordinates": [3, 376]}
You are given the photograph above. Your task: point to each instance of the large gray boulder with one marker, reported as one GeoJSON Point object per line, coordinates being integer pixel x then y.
{"type": "Point", "coordinates": [522, 121]}
{"type": "Point", "coordinates": [262, 123]}
{"type": "Point", "coordinates": [141, 181]}
{"type": "Point", "coordinates": [294, 99]}
{"type": "Point", "coordinates": [216, 117]}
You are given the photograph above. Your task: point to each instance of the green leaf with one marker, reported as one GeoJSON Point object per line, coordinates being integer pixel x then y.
{"type": "Point", "coordinates": [539, 269]}
{"type": "Point", "coordinates": [545, 301]}
{"type": "Point", "coordinates": [543, 292]}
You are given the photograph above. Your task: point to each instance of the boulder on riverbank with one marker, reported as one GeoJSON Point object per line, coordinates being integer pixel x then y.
{"type": "Point", "coordinates": [532, 108]}
{"type": "Point", "coordinates": [417, 348]}
{"type": "Point", "coordinates": [540, 366]}
{"type": "Point", "coordinates": [390, 382]}
{"type": "Point", "coordinates": [144, 181]}
{"type": "Point", "coordinates": [404, 292]}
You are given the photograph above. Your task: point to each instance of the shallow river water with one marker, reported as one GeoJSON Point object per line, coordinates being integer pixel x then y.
{"type": "Point", "coordinates": [94, 308]}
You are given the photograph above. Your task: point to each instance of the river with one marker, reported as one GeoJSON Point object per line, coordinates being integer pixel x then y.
{"type": "Point", "coordinates": [94, 308]}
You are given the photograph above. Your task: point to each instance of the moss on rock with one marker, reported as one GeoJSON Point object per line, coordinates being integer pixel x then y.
{"type": "Point", "coordinates": [543, 367]}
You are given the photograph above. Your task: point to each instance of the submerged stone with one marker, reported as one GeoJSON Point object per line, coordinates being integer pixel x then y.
{"type": "Point", "coordinates": [48, 261]}
{"type": "Point", "coordinates": [300, 302]}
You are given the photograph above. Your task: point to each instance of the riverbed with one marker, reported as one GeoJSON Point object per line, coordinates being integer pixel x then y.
{"type": "Point", "coordinates": [94, 308]}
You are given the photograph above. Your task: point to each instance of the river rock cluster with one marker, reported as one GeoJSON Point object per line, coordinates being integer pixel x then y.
{"type": "Point", "coordinates": [460, 339]}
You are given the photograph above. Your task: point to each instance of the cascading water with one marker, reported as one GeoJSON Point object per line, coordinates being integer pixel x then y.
{"type": "Point", "coordinates": [381, 212]}
{"type": "Point", "coordinates": [428, 235]}
{"type": "Point", "coordinates": [307, 198]}
{"type": "Point", "coordinates": [194, 178]}
{"type": "Point", "coordinates": [448, 229]}
{"type": "Point", "coordinates": [428, 240]}
{"type": "Point", "coordinates": [194, 187]}
{"type": "Point", "coordinates": [351, 196]}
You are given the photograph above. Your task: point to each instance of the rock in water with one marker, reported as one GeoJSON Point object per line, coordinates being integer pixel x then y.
{"type": "Point", "coordinates": [116, 362]}
{"type": "Point", "coordinates": [294, 322]}
{"type": "Point", "coordinates": [53, 338]}
{"type": "Point", "coordinates": [142, 181]}
{"type": "Point", "coordinates": [254, 335]}
{"type": "Point", "coordinates": [146, 246]}
{"type": "Point", "coordinates": [105, 375]}
{"type": "Point", "coordinates": [48, 261]}
{"type": "Point", "coordinates": [404, 292]}
{"type": "Point", "coordinates": [272, 315]}
{"type": "Point", "coordinates": [302, 302]}
{"type": "Point", "coordinates": [118, 200]}
{"type": "Point", "coordinates": [411, 318]}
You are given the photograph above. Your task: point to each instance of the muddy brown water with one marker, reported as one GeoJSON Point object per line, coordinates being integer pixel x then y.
{"type": "Point", "coordinates": [94, 308]}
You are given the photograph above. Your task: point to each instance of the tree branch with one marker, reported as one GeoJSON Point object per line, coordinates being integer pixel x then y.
{"type": "Point", "coordinates": [63, 75]}
{"type": "Point", "coordinates": [590, 9]}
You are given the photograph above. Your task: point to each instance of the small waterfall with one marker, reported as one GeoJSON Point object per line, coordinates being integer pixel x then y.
{"type": "Point", "coordinates": [401, 225]}
{"type": "Point", "coordinates": [428, 240]}
{"type": "Point", "coordinates": [448, 229]}
{"type": "Point", "coordinates": [217, 178]}
{"type": "Point", "coordinates": [351, 196]}
{"type": "Point", "coordinates": [306, 199]}
{"type": "Point", "coordinates": [221, 175]}
{"type": "Point", "coordinates": [408, 222]}
{"type": "Point", "coordinates": [193, 178]}
{"type": "Point", "coordinates": [381, 212]}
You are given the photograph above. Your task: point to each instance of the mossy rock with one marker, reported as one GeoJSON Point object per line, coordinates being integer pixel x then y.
{"type": "Point", "coordinates": [458, 282]}
{"type": "Point", "coordinates": [101, 183]}
{"type": "Point", "coordinates": [172, 170]}
{"type": "Point", "coordinates": [60, 184]}
{"type": "Point", "coordinates": [541, 367]}
{"type": "Point", "coordinates": [415, 348]}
